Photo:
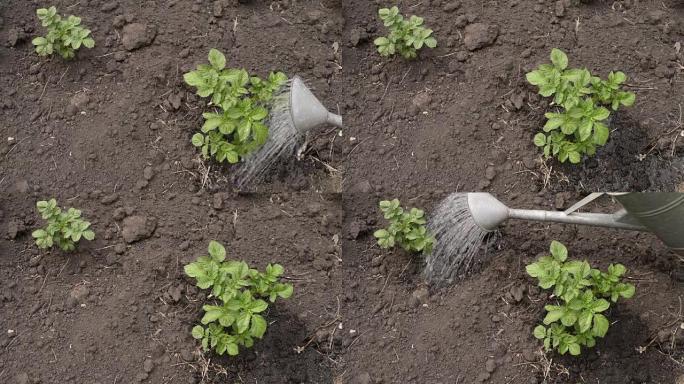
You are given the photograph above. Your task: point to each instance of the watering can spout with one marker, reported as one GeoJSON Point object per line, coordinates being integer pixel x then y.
{"type": "Point", "coordinates": [307, 112]}
{"type": "Point", "coordinates": [662, 213]}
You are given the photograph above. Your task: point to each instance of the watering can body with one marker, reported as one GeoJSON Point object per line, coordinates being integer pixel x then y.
{"type": "Point", "coordinates": [662, 213]}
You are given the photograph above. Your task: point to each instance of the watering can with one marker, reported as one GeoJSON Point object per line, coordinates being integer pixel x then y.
{"type": "Point", "coordinates": [306, 111]}
{"type": "Point", "coordinates": [660, 213]}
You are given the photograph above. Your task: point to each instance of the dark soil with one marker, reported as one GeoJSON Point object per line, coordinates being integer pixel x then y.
{"type": "Point", "coordinates": [440, 122]}
{"type": "Point", "coordinates": [480, 330]}
{"type": "Point", "coordinates": [109, 133]}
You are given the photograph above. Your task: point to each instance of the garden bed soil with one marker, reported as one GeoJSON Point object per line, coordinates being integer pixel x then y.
{"type": "Point", "coordinates": [462, 119]}
{"type": "Point", "coordinates": [480, 329]}
{"type": "Point", "coordinates": [109, 133]}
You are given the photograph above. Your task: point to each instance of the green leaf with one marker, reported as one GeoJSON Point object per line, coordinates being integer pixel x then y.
{"type": "Point", "coordinates": [243, 321]}
{"type": "Point", "coordinates": [574, 349]}
{"type": "Point", "coordinates": [553, 316]}
{"type": "Point", "coordinates": [198, 140]}
{"type": "Point", "coordinates": [89, 235]}
{"type": "Point", "coordinates": [574, 157]}
{"type": "Point", "coordinates": [600, 305]}
{"type": "Point", "coordinates": [559, 59]}
{"type": "Point", "coordinates": [601, 325]}
{"type": "Point", "coordinates": [601, 133]}
{"type": "Point", "coordinates": [217, 251]}
{"type": "Point", "coordinates": [197, 332]}
{"type": "Point", "coordinates": [39, 41]}
{"type": "Point", "coordinates": [381, 41]}
{"type": "Point", "coordinates": [39, 233]}
{"type": "Point", "coordinates": [381, 233]}
{"type": "Point", "coordinates": [535, 78]}
{"type": "Point", "coordinates": [286, 291]}
{"type": "Point", "coordinates": [211, 316]}
{"type": "Point", "coordinates": [258, 327]}
{"type": "Point", "coordinates": [558, 251]}
{"type": "Point", "coordinates": [540, 332]}
{"type": "Point", "coordinates": [217, 59]}
{"type": "Point", "coordinates": [540, 139]}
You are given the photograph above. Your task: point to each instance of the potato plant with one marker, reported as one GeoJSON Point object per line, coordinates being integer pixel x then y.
{"type": "Point", "coordinates": [407, 228]}
{"type": "Point", "coordinates": [582, 294]}
{"type": "Point", "coordinates": [236, 127]}
{"type": "Point", "coordinates": [406, 36]}
{"type": "Point", "coordinates": [578, 126]}
{"type": "Point", "coordinates": [238, 297]}
{"type": "Point", "coordinates": [65, 36]}
{"type": "Point", "coordinates": [63, 228]}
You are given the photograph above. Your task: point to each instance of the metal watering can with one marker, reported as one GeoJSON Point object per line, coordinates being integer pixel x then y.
{"type": "Point", "coordinates": [661, 213]}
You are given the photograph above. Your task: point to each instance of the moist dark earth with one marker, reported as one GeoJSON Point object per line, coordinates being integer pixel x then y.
{"type": "Point", "coordinates": [109, 133]}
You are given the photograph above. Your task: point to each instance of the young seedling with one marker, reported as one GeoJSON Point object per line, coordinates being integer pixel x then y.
{"type": "Point", "coordinates": [64, 228]}
{"type": "Point", "coordinates": [65, 36]}
{"type": "Point", "coordinates": [239, 296]}
{"type": "Point", "coordinates": [405, 37]}
{"type": "Point", "coordinates": [578, 127]}
{"type": "Point", "coordinates": [236, 126]}
{"type": "Point", "coordinates": [406, 228]}
{"type": "Point", "coordinates": [577, 319]}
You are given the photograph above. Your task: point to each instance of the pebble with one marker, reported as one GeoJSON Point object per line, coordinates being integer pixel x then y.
{"type": "Point", "coordinates": [109, 199]}
{"type": "Point", "coordinates": [480, 35]}
{"type": "Point", "coordinates": [490, 365]}
{"type": "Point", "coordinates": [148, 173]}
{"type": "Point", "coordinates": [148, 365]}
{"type": "Point", "coordinates": [109, 6]}
{"type": "Point", "coordinates": [136, 228]}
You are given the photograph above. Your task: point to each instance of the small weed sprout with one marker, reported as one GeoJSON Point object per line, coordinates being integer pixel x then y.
{"type": "Point", "coordinates": [239, 293]}
{"type": "Point", "coordinates": [64, 228]}
{"type": "Point", "coordinates": [237, 126]}
{"type": "Point", "coordinates": [405, 37]}
{"type": "Point", "coordinates": [65, 36]}
{"type": "Point", "coordinates": [406, 228]}
{"type": "Point", "coordinates": [577, 319]}
{"type": "Point", "coordinates": [578, 127]}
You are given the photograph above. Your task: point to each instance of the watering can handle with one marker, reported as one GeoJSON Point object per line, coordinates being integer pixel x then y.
{"type": "Point", "coordinates": [591, 197]}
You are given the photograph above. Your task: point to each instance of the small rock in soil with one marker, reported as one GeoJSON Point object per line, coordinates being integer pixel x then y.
{"type": "Point", "coordinates": [137, 35]}
{"type": "Point", "coordinates": [490, 365]}
{"type": "Point", "coordinates": [35, 260]}
{"type": "Point", "coordinates": [78, 103]}
{"type": "Point", "coordinates": [362, 378]}
{"type": "Point", "coordinates": [109, 6]}
{"type": "Point", "coordinates": [109, 199]}
{"type": "Point", "coordinates": [148, 173]}
{"type": "Point", "coordinates": [21, 186]}
{"type": "Point", "coordinates": [419, 296]}
{"type": "Point", "coordinates": [490, 173]}
{"type": "Point", "coordinates": [421, 101]}
{"type": "Point", "coordinates": [358, 35]}
{"type": "Point", "coordinates": [517, 293]}
{"type": "Point", "coordinates": [120, 248]}
{"type": "Point", "coordinates": [480, 35]}
{"type": "Point", "coordinates": [451, 6]}
{"type": "Point", "coordinates": [148, 365]}
{"type": "Point", "coordinates": [136, 228]}
{"type": "Point", "coordinates": [21, 378]}
{"type": "Point", "coordinates": [79, 293]}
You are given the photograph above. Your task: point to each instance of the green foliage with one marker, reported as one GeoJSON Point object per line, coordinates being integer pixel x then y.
{"type": "Point", "coordinates": [583, 292]}
{"type": "Point", "coordinates": [234, 318]}
{"type": "Point", "coordinates": [406, 36]}
{"type": "Point", "coordinates": [65, 36]}
{"type": "Point", "coordinates": [236, 127]}
{"type": "Point", "coordinates": [64, 228]}
{"type": "Point", "coordinates": [406, 228]}
{"type": "Point", "coordinates": [578, 128]}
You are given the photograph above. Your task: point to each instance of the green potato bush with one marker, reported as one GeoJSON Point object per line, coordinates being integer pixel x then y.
{"type": "Point", "coordinates": [63, 228]}
{"type": "Point", "coordinates": [582, 295]}
{"type": "Point", "coordinates": [407, 228]}
{"type": "Point", "coordinates": [406, 36]}
{"type": "Point", "coordinates": [65, 36]}
{"type": "Point", "coordinates": [237, 126]}
{"type": "Point", "coordinates": [578, 127]}
{"type": "Point", "coordinates": [238, 295]}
